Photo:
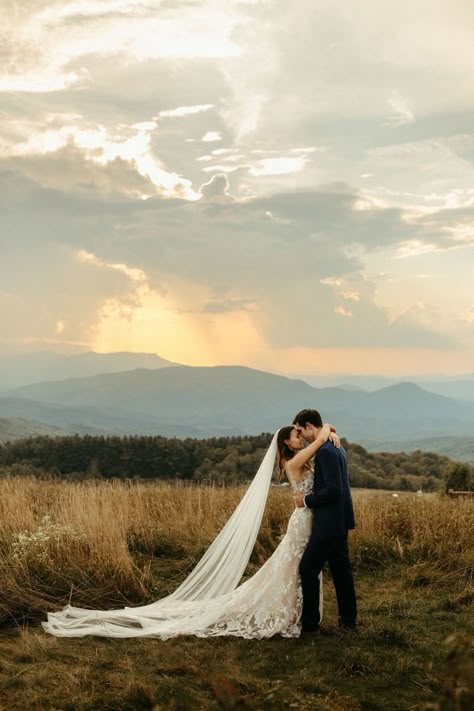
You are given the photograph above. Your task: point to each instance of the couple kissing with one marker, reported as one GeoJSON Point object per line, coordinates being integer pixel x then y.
{"type": "Point", "coordinates": [284, 596]}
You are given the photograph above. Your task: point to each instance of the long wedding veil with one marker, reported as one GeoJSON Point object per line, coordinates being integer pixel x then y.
{"type": "Point", "coordinates": [200, 598]}
{"type": "Point", "coordinates": [223, 564]}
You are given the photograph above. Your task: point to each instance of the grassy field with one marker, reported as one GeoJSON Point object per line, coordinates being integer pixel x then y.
{"type": "Point", "coordinates": [110, 544]}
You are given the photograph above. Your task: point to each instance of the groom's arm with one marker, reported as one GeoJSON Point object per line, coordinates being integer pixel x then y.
{"type": "Point", "coordinates": [330, 472]}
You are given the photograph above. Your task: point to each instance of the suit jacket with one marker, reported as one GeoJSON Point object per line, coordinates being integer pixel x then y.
{"type": "Point", "coordinates": [331, 498]}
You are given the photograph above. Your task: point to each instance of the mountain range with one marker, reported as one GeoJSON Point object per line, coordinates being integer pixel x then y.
{"type": "Point", "coordinates": [457, 387]}
{"type": "Point", "coordinates": [141, 393]}
{"type": "Point", "coordinates": [26, 368]}
{"type": "Point", "coordinates": [177, 400]}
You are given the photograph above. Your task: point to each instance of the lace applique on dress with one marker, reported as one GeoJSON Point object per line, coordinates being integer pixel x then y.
{"type": "Point", "coordinates": [271, 601]}
{"type": "Point", "coordinates": [303, 485]}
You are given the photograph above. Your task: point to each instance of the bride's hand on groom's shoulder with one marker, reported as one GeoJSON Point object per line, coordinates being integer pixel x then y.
{"type": "Point", "coordinates": [333, 437]}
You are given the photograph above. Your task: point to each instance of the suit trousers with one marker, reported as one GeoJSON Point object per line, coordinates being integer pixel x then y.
{"type": "Point", "coordinates": [335, 552]}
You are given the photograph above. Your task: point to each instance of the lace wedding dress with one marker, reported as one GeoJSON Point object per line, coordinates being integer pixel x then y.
{"type": "Point", "coordinates": [266, 604]}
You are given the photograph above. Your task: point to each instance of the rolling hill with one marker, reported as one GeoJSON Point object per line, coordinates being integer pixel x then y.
{"type": "Point", "coordinates": [12, 428]}
{"type": "Point", "coordinates": [454, 447]}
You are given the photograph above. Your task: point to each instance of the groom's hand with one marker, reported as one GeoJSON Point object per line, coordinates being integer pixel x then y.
{"type": "Point", "coordinates": [299, 500]}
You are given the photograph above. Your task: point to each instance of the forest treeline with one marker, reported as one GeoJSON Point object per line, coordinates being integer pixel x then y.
{"type": "Point", "coordinates": [218, 459]}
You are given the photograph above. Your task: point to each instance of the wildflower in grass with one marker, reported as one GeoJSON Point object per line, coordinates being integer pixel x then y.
{"type": "Point", "coordinates": [38, 544]}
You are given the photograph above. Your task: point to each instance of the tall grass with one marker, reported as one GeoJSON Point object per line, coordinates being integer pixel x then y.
{"type": "Point", "coordinates": [112, 543]}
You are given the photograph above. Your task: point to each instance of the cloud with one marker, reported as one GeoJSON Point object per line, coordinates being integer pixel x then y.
{"type": "Point", "coordinates": [402, 112]}
{"type": "Point", "coordinates": [415, 247]}
{"type": "Point", "coordinates": [69, 169]}
{"type": "Point", "coordinates": [277, 166]}
{"type": "Point", "coordinates": [220, 306]}
{"type": "Point", "coordinates": [318, 174]}
{"type": "Point", "coordinates": [231, 248]}
{"type": "Point", "coordinates": [185, 111]}
{"type": "Point", "coordinates": [216, 188]}
{"type": "Point", "coordinates": [53, 300]}
{"type": "Point", "coordinates": [342, 311]}
{"type": "Point", "coordinates": [469, 317]}
{"type": "Point", "coordinates": [81, 142]}
{"type": "Point", "coordinates": [350, 296]}
{"type": "Point", "coordinates": [135, 275]}
{"type": "Point", "coordinates": [211, 136]}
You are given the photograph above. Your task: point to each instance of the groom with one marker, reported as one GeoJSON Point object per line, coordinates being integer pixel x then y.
{"type": "Point", "coordinates": [333, 517]}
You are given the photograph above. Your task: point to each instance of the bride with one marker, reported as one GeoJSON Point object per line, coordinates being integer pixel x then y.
{"type": "Point", "coordinates": [210, 602]}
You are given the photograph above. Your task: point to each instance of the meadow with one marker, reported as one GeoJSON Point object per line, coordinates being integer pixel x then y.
{"type": "Point", "coordinates": [113, 543]}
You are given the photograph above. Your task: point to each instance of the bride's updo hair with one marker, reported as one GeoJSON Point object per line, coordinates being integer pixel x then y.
{"type": "Point", "coordinates": [284, 452]}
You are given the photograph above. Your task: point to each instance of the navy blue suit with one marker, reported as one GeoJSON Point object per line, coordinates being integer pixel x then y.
{"type": "Point", "coordinates": [333, 517]}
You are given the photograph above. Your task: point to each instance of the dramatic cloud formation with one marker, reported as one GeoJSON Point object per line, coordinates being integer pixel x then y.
{"type": "Point", "coordinates": [276, 184]}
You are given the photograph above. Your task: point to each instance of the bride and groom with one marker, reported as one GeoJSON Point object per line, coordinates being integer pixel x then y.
{"type": "Point", "coordinates": [284, 596]}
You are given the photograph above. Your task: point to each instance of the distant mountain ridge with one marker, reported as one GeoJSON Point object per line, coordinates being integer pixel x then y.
{"type": "Point", "coordinates": [456, 387]}
{"type": "Point", "coordinates": [225, 400]}
{"type": "Point", "coordinates": [25, 369]}
{"type": "Point", "coordinates": [29, 368]}
{"type": "Point", "coordinates": [188, 400]}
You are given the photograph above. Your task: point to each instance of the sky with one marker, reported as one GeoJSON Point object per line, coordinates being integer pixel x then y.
{"type": "Point", "coordinates": [287, 186]}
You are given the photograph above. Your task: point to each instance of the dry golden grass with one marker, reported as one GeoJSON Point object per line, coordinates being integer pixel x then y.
{"type": "Point", "coordinates": [107, 544]}
{"type": "Point", "coordinates": [429, 528]}
{"type": "Point", "coordinates": [110, 543]}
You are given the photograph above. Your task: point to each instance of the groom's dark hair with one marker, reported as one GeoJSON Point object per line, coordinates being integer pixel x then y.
{"type": "Point", "coordinates": [311, 416]}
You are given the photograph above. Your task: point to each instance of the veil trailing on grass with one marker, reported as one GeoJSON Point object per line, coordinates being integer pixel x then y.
{"type": "Point", "coordinates": [202, 597]}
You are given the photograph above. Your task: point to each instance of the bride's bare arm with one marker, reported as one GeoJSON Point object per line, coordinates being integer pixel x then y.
{"type": "Point", "coordinates": [303, 457]}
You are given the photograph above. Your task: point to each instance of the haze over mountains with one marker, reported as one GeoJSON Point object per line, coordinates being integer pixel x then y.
{"type": "Point", "coordinates": [26, 368]}
{"type": "Point", "coordinates": [457, 387]}
{"type": "Point", "coordinates": [163, 398]}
